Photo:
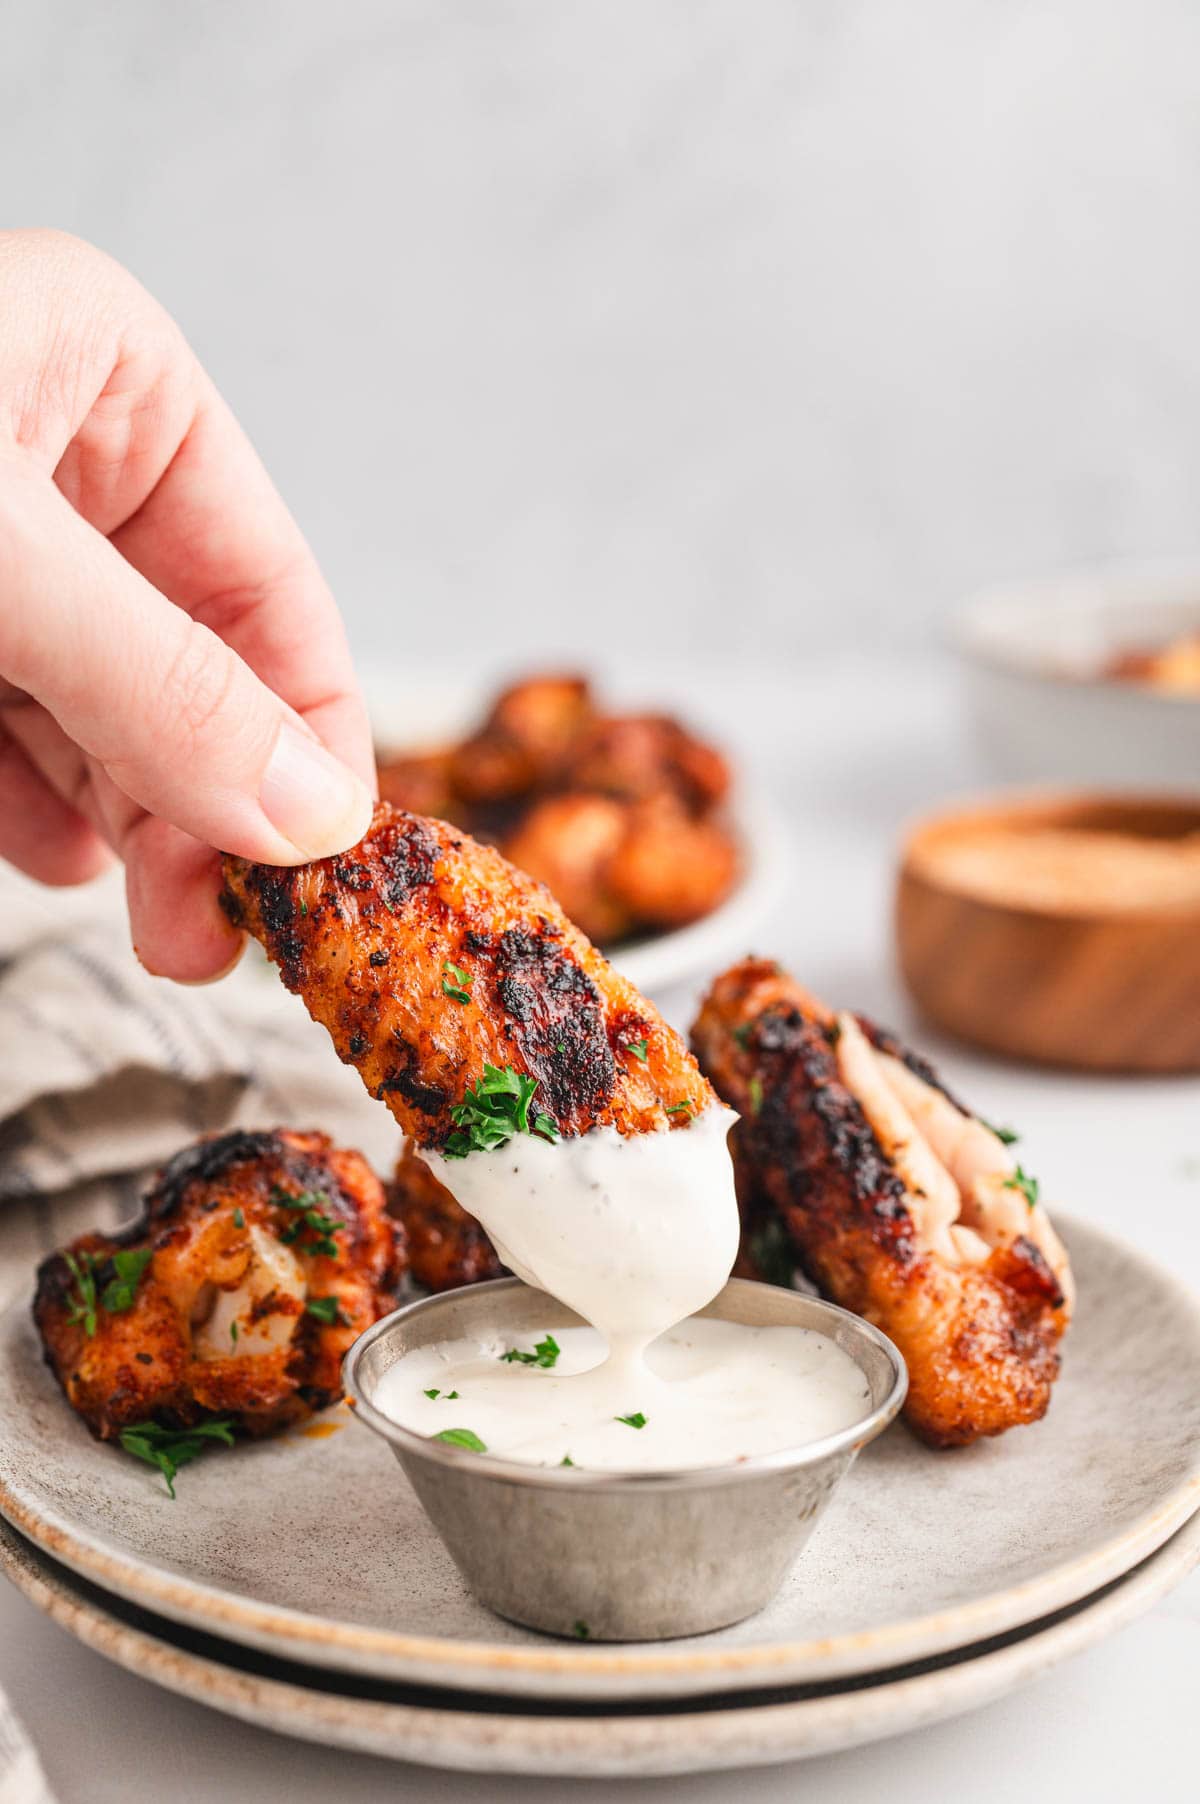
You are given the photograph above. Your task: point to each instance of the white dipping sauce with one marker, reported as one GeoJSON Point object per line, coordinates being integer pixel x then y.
{"type": "Point", "coordinates": [635, 1234]}
{"type": "Point", "coordinates": [710, 1392]}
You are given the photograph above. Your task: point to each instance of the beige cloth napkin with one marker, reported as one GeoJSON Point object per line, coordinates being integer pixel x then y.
{"type": "Point", "coordinates": [105, 1072]}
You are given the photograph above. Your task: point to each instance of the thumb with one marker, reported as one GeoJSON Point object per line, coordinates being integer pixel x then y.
{"type": "Point", "coordinates": [180, 724]}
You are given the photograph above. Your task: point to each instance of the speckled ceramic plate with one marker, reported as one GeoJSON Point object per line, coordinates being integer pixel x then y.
{"type": "Point", "coordinates": [485, 1734]}
{"type": "Point", "coordinates": [313, 1548]}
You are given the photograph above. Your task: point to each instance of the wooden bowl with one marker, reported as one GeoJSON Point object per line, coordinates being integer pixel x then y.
{"type": "Point", "coordinates": [1091, 964]}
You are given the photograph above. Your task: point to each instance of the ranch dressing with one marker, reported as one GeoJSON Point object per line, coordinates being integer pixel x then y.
{"type": "Point", "coordinates": [634, 1233]}
{"type": "Point", "coordinates": [708, 1393]}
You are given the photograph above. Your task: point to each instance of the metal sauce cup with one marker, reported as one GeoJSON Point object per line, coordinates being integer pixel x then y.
{"type": "Point", "coordinates": [621, 1556]}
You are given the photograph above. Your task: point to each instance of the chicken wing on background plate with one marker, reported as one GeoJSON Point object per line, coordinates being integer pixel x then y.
{"type": "Point", "coordinates": [897, 1201]}
{"type": "Point", "coordinates": [257, 1261]}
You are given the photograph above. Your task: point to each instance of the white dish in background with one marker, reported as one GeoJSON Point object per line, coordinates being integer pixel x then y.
{"type": "Point", "coordinates": [921, 1553]}
{"type": "Point", "coordinates": [468, 1734]}
{"type": "Point", "coordinates": [409, 712]}
{"type": "Point", "coordinates": [1041, 706]}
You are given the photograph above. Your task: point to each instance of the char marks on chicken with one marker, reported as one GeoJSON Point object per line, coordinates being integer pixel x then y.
{"type": "Point", "coordinates": [899, 1203]}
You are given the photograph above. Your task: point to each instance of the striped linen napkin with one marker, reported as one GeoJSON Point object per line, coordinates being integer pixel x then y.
{"type": "Point", "coordinates": [105, 1072]}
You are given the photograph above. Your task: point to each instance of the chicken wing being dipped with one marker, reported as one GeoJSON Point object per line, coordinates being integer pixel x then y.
{"type": "Point", "coordinates": [257, 1261]}
{"type": "Point", "coordinates": [901, 1204]}
{"type": "Point", "coordinates": [486, 1021]}
{"type": "Point", "coordinates": [430, 959]}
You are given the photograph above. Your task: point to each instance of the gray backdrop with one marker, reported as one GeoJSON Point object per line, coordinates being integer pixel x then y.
{"type": "Point", "coordinates": [721, 330]}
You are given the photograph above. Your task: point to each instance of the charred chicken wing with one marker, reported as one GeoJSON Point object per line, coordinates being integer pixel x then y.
{"type": "Point", "coordinates": [257, 1261]}
{"type": "Point", "coordinates": [434, 963]}
{"type": "Point", "coordinates": [446, 1246]}
{"type": "Point", "coordinates": [899, 1203]}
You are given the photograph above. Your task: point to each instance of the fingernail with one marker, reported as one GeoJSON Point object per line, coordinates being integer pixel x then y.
{"type": "Point", "coordinates": [313, 800]}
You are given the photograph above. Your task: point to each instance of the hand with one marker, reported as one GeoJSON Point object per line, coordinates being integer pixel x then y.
{"type": "Point", "coordinates": [173, 672]}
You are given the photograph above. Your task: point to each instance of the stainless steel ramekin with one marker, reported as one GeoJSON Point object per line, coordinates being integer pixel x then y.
{"type": "Point", "coordinates": [621, 1556]}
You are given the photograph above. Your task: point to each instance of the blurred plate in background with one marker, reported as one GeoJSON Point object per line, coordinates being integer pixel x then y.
{"type": "Point", "coordinates": [1043, 700]}
{"type": "Point", "coordinates": [411, 710]}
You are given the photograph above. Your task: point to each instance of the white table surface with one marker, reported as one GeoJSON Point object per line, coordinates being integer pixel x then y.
{"type": "Point", "coordinates": [847, 757]}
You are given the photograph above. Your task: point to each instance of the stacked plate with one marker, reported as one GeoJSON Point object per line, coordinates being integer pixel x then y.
{"type": "Point", "coordinates": [296, 1584]}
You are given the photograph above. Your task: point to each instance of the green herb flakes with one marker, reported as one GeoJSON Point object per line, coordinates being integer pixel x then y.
{"type": "Point", "coordinates": [498, 1107]}
{"type": "Point", "coordinates": [117, 1295]}
{"type": "Point", "coordinates": [566, 1460]}
{"type": "Point", "coordinates": [170, 1448]}
{"type": "Point", "coordinates": [327, 1310]}
{"type": "Point", "coordinates": [461, 1437]}
{"type": "Point", "coordinates": [456, 983]}
{"type": "Point", "coordinates": [1029, 1187]}
{"type": "Point", "coordinates": [581, 1630]}
{"type": "Point", "coordinates": [431, 1394]}
{"type": "Point", "coordinates": [1006, 1135]}
{"type": "Point", "coordinates": [754, 1090]}
{"type": "Point", "coordinates": [545, 1353]}
{"type": "Point", "coordinates": [636, 1420]}
{"type": "Point", "coordinates": [640, 1049]}
{"type": "Point", "coordinates": [82, 1306]}
{"type": "Point", "coordinates": [239, 1219]}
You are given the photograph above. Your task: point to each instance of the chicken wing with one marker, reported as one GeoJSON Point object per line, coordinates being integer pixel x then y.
{"type": "Point", "coordinates": [257, 1261]}
{"type": "Point", "coordinates": [446, 1246]}
{"type": "Point", "coordinates": [899, 1203]}
{"type": "Point", "coordinates": [429, 958]}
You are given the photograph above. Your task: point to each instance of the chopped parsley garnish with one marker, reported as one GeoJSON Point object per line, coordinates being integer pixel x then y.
{"type": "Point", "coordinates": [83, 1303]}
{"type": "Point", "coordinates": [677, 1106]}
{"type": "Point", "coordinates": [456, 983]}
{"type": "Point", "coordinates": [239, 1220]}
{"type": "Point", "coordinates": [1029, 1187]}
{"type": "Point", "coordinates": [170, 1448]}
{"type": "Point", "coordinates": [636, 1420]}
{"type": "Point", "coordinates": [327, 1310]}
{"type": "Point", "coordinates": [117, 1295]}
{"type": "Point", "coordinates": [640, 1049]}
{"type": "Point", "coordinates": [312, 1216]}
{"type": "Point", "coordinates": [582, 1630]}
{"type": "Point", "coordinates": [755, 1092]}
{"type": "Point", "coordinates": [450, 1396]}
{"type": "Point", "coordinates": [566, 1460]}
{"type": "Point", "coordinates": [545, 1353]}
{"type": "Point", "coordinates": [462, 1437]}
{"type": "Point", "coordinates": [497, 1108]}
{"type": "Point", "coordinates": [1006, 1135]}
{"type": "Point", "coordinates": [742, 1034]}
{"type": "Point", "coordinates": [233, 1331]}
{"type": "Point", "coordinates": [303, 908]}
{"type": "Point", "coordinates": [433, 1393]}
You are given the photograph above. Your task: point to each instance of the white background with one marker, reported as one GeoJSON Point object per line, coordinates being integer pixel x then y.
{"type": "Point", "coordinates": [734, 326]}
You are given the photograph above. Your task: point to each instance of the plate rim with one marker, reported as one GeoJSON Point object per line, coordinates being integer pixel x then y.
{"type": "Point", "coordinates": [609, 1671]}
{"type": "Point", "coordinates": [725, 1736]}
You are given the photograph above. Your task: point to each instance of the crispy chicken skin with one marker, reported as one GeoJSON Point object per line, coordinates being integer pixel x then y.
{"type": "Point", "coordinates": [899, 1203]}
{"type": "Point", "coordinates": [428, 956]}
{"type": "Point", "coordinates": [218, 1322]}
{"type": "Point", "coordinates": [446, 1246]}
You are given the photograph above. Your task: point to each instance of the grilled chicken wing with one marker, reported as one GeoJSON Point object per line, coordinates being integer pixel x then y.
{"type": "Point", "coordinates": [258, 1260]}
{"type": "Point", "coordinates": [901, 1204]}
{"type": "Point", "coordinates": [446, 1246]}
{"type": "Point", "coordinates": [428, 956]}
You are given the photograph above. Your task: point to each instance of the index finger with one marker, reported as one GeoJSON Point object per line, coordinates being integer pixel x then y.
{"type": "Point", "coordinates": [214, 535]}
